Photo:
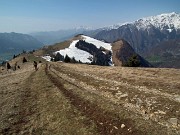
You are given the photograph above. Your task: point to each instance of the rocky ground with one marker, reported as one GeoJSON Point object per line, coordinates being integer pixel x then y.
{"type": "Point", "coordinates": [63, 98]}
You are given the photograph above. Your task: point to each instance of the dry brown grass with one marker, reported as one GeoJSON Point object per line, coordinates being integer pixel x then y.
{"type": "Point", "coordinates": [84, 99]}
{"type": "Point", "coordinates": [128, 87]}
{"type": "Point", "coordinates": [36, 106]}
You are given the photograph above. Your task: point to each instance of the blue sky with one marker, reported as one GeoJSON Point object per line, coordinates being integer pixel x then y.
{"type": "Point", "coordinates": [45, 15]}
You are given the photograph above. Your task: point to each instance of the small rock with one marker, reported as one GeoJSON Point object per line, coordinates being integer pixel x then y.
{"type": "Point", "coordinates": [124, 95]}
{"type": "Point", "coordinates": [174, 121]}
{"type": "Point", "coordinates": [122, 126]}
{"type": "Point", "coordinates": [161, 112]}
{"type": "Point", "coordinates": [115, 127]}
{"type": "Point", "coordinates": [138, 102]}
{"type": "Point", "coordinates": [129, 129]}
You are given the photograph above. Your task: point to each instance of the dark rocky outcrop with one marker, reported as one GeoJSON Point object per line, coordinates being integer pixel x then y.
{"type": "Point", "coordinates": [101, 56]}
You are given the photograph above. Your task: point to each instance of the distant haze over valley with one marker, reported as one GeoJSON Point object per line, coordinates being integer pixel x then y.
{"type": "Point", "coordinates": [14, 43]}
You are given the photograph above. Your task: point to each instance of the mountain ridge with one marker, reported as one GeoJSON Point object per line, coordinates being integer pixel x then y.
{"type": "Point", "coordinates": [146, 34]}
{"type": "Point", "coordinates": [157, 20]}
{"type": "Point", "coordinates": [85, 49]}
{"type": "Point", "coordinates": [14, 43]}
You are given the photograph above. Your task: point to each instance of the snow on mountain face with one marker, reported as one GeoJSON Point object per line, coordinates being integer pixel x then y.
{"type": "Point", "coordinates": [81, 55]}
{"type": "Point", "coordinates": [97, 43]}
{"type": "Point", "coordinates": [163, 21]}
{"type": "Point", "coordinates": [167, 21]}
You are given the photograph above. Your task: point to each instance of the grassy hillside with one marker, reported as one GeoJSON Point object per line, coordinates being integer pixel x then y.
{"type": "Point", "coordinates": [166, 54]}
{"type": "Point", "coordinates": [63, 98]}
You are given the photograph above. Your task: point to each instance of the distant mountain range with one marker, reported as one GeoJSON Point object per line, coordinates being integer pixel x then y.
{"type": "Point", "coordinates": [14, 43]}
{"type": "Point", "coordinates": [52, 37]}
{"type": "Point", "coordinates": [156, 38]}
{"type": "Point", "coordinates": [144, 35]}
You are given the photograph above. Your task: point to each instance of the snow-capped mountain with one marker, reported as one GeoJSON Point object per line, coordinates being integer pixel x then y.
{"type": "Point", "coordinates": [145, 33]}
{"type": "Point", "coordinates": [162, 21]}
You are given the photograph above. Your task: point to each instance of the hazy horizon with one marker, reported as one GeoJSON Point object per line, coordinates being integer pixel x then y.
{"type": "Point", "coordinates": [51, 15]}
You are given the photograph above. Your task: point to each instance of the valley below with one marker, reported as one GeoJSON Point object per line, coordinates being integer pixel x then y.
{"type": "Point", "coordinates": [62, 98]}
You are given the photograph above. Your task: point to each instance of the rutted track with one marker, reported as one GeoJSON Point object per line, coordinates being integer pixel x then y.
{"type": "Point", "coordinates": [80, 99]}
{"type": "Point", "coordinates": [106, 122]}
{"type": "Point", "coordinates": [156, 107]}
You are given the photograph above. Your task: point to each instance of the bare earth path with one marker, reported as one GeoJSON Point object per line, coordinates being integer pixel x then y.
{"type": "Point", "coordinates": [79, 99]}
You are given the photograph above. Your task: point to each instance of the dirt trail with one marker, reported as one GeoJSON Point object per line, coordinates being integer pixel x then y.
{"type": "Point", "coordinates": [107, 123]}
{"type": "Point", "coordinates": [33, 105]}
{"type": "Point", "coordinates": [10, 96]}
{"type": "Point", "coordinates": [79, 99]}
{"type": "Point", "coordinates": [151, 104]}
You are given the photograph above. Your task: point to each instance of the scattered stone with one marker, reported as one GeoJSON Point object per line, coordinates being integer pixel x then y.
{"type": "Point", "coordinates": [146, 117]}
{"type": "Point", "coordinates": [160, 112]}
{"type": "Point", "coordinates": [124, 95]}
{"type": "Point", "coordinates": [127, 100]}
{"type": "Point", "coordinates": [129, 129]}
{"type": "Point", "coordinates": [144, 111]}
{"type": "Point", "coordinates": [115, 127]}
{"type": "Point", "coordinates": [122, 126]}
{"type": "Point", "coordinates": [177, 98]}
{"type": "Point", "coordinates": [138, 102]}
{"type": "Point", "coordinates": [174, 121]}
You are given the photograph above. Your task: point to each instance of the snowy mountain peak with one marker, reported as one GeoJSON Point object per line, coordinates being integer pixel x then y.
{"type": "Point", "coordinates": [163, 21]}
{"type": "Point", "coordinates": [167, 21]}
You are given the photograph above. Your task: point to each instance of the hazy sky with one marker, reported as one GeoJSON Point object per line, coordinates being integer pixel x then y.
{"type": "Point", "coordinates": [44, 15]}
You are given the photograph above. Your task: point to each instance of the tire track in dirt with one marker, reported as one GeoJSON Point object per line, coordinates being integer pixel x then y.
{"type": "Point", "coordinates": [18, 117]}
{"type": "Point", "coordinates": [107, 122]}
{"type": "Point", "coordinates": [144, 89]}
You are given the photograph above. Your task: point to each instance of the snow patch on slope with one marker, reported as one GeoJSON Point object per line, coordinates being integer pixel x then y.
{"type": "Point", "coordinates": [78, 54]}
{"type": "Point", "coordinates": [97, 43]}
{"type": "Point", "coordinates": [81, 55]}
{"type": "Point", "coordinates": [47, 58]}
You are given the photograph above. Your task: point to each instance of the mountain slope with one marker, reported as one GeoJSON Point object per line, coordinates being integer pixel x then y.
{"type": "Point", "coordinates": [123, 53]}
{"type": "Point", "coordinates": [89, 50]}
{"type": "Point", "coordinates": [18, 41]}
{"type": "Point", "coordinates": [166, 54]}
{"type": "Point", "coordinates": [14, 43]}
{"type": "Point", "coordinates": [145, 33]}
{"type": "Point", "coordinates": [63, 98]}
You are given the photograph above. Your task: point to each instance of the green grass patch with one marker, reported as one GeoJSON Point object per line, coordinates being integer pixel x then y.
{"type": "Point", "coordinates": [154, 58]}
